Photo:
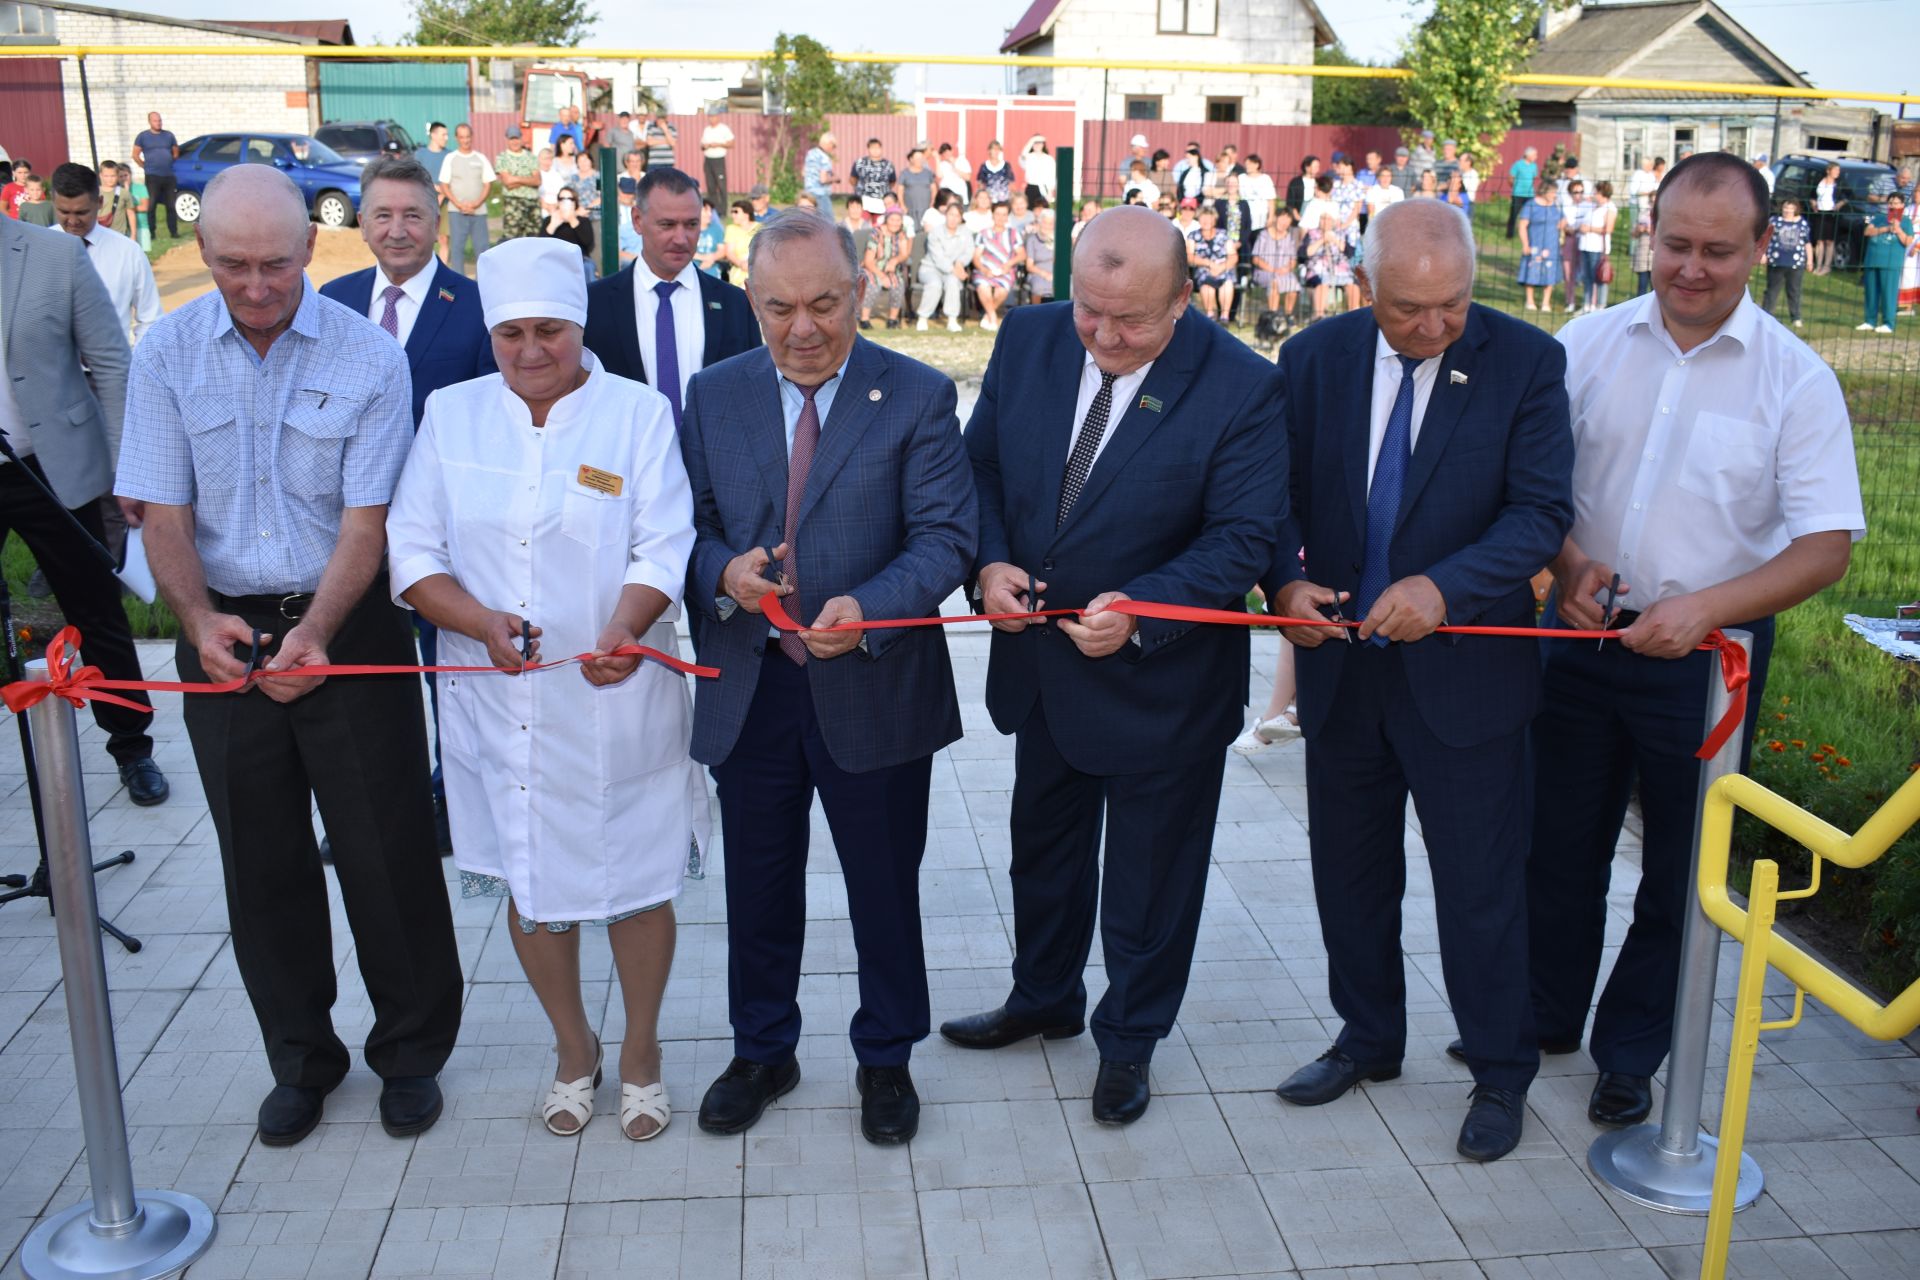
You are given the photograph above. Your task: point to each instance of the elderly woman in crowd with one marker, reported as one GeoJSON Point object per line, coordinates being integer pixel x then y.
{"type": "Point", "coordinates": [544, 511]}
{"type": "Point", "coordinates": [997, 255]}
{"type": "Point", "coordinates": [888, 249]}
{"type": "Point", "coordinates": [943, 267]}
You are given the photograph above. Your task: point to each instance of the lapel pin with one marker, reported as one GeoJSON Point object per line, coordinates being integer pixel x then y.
{"type": "Point", "coordinates": [874, 394]}
{"type": "Point", "coordinates": [446, 295]}
{"type": "Point", "coordinates": [1457, 378]}
{"type": "Point", "coordinates": [1150, 403]}
{"type": "Point", "coordinates": [713, 306]}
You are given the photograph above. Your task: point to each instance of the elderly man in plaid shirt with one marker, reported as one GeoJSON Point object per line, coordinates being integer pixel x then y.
{"type": "Point", "coordinates": [266, 428]}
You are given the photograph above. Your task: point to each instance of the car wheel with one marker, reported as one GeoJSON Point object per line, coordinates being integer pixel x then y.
{"type": "Point", "coordinates": [334, 210]}
{"type": "Point", "coordinates": [186, 206]}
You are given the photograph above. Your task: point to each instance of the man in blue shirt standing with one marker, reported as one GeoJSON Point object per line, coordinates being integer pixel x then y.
{"type": "Point", "coordinates": [1524, 172]}
{"type": "Point", "coordinates": [155, 150]}
{"type": "Point", "coordinates": [816, 177]}
{"type": "Point", "coordinates": [569, 123]}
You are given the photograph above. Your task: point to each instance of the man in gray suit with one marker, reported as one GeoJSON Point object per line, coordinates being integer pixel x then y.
{"type": "Point", "coordinates": [63, 391]}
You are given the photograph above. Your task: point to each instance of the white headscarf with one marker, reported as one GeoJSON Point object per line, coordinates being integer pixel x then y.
{"type": "Point", "coordinates": [532, 277]}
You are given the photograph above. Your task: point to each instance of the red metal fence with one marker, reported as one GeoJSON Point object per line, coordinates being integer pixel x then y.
{"type": "Point", "coordinates": [33, 112]}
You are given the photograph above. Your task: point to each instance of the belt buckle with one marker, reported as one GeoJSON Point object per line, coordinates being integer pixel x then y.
{"type": "Point", "coordinates": [302, 596]}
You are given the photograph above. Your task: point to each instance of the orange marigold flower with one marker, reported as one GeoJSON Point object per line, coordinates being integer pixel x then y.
{"type": "Point", "coordinates": [1785, 701]}
{"type": "Point", "coordinates": [1800, 744]}
{"type": "Point", "coordinates": [1816, 757]}
{"type": "Point", "coordinates": [1828, 772]}
{"type": "Point", "coordinates": [1843, 762]}
{"type": "Point", "coordinates": [1776, 746]}
{"type": "Point", "coordinates": [1779, 715]}
{"type": "Point", "coordinates": [1830, 748]}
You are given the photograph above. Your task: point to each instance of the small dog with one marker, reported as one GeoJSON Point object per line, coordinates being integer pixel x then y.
{"type": "Point", "coordinates": [1271, 329]}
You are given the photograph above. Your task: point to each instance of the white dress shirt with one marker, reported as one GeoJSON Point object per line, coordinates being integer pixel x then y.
{"type": "Point", "coordinates": [1387, 372]}
{"type": "Point", "coordinates": [1693, 467]}
{"type": "Point", "coordinates": [406, 307]}
{"type": "Point", "coordinates": [1125, 388]}
{"type": "Point", "coordinates": [124, 269]}
{"type": "Point", "coordinates": [689, 321]}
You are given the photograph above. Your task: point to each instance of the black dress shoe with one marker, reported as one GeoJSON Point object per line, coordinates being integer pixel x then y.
{"type": "Point", "coordinates": [744, 1090]}
{"type": "Point", "coordinates": [1620, 1100]}
{"type": "Point", "coordinates": [1329, 1076]}
{"type": "Point", "coordinates": [289, 1113]}
{"type": "Point", "coordinates": [1120, 1092]}
{"type": "Point", "coordinates": [1492, 1126]}
{"type": "Point", "coordinates": [409, 1105]}
{"type": "Point", "coordinates": [996, 1029]}
{"type": "Point", "coordinates": [144, 782]}
{"type": "Point", "coordinates": [442, 829]}
{"type": "Point", "coordinates": [889, 1106]}
{"type": "Point", "coordinates": [1458, 1052]}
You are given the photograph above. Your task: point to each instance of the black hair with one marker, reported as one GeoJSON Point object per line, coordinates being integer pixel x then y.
{"type": "Point", "coordinates": [71, 180]}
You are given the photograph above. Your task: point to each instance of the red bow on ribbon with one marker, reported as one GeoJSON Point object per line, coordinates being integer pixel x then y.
{"type": "Point", "coordinates": [1733, 670]}
{"type": "Point", "coordinates": [77, 686]}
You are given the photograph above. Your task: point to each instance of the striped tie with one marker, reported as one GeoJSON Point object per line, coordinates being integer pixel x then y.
{"type": "Point", "coordinates": [390, 318]}
{"type": "Point", "coordinates": [806, 435]}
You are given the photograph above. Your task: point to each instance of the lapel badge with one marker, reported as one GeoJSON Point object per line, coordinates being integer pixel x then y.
{"type": "Point", "coordinates": [1151, 404]}
{"type": "Point", "coordinates": [874, 394]}
{"type": "Point", "coordinates": [446, 295]}
{"type": "Point", "coordinates": [1457, 378]}
{"type": "Point", "coordinates": [713, 306]}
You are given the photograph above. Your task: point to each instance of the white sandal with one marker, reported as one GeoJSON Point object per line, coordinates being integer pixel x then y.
{"type": "Point", "coordinates": [649, 1100]}
{"type": "Point", "coordinates": [573, 1097]}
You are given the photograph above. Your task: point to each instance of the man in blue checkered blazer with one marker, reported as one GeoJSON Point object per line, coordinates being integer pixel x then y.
{"type": "Point", "coordinates": [835, 468]}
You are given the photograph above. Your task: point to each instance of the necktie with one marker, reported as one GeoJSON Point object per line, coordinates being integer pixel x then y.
{"type": "Point", "coordinates": [806, 435]}
{"type": "Point", "coordinates": [1383, 496]}
{"type": "Point", "coordinates": [1080, 461]}
{"type": "Point", "coordinates": [666, 357]}
{"type": "Point", "coordinates": [390, 318]}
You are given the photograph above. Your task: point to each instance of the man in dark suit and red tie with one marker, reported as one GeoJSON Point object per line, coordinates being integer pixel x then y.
{"type": "Point", "coordinates": [660, 319]}
{"type": "Point", "coordinates": [834, 467]}
{"type": "Point", "coordinates": [433, 312]}
{"type": "Point", "coordinates": [1124, 448]}
{"type": "Point", "coordinates": [1432, 479]}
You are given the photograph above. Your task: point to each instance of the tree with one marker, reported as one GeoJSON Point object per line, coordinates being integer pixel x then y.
{"type": "Point", "coordinates": [1460, 58]}
{"type": "Point", "coordinates": [551, 24]}
{"type": "Point", "coordinates": [1339, 100]}
{"type": "Point", "coordinates": [805, 80]}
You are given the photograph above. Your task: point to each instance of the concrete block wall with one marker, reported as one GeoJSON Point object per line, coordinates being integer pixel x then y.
{"type": "Point", "coordinates": [193, 95]}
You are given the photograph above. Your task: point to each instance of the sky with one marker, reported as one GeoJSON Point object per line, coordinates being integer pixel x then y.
{"type": "Point", "coordinates": [1853, 44]}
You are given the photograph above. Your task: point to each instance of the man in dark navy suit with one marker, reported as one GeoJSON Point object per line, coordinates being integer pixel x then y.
{"type": "Point", "coordinates": [1124, 448]}
{"type": "Point", "coordinates": [431, 310]}
{"type": "Point", "coordinates": [1432, 479]}
{"type": "Point", "coordinates": [661, 295]}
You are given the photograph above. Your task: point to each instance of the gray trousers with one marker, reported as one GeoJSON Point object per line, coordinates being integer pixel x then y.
{"type": "Point", "coordinates": [464, 229]}
{"type": "Point", "coordinates": [936, 287]}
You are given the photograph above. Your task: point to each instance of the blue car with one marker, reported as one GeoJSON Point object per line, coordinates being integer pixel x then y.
{"type": "Point", "coordinates": [329, 181]}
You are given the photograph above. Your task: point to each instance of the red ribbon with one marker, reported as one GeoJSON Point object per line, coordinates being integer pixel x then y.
{"type": "Point", "coordinates": [1733, 659]}
{"type": "Point", "coordinates": [87, 684]}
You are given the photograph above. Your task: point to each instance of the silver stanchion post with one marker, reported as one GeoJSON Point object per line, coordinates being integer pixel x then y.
{"type": "Point", "coordinates": [1669, 1166]}
{"type": "Point", "coordinates": [123, 1234]}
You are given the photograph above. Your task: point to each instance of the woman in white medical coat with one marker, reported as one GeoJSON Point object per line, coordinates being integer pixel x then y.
{"type": "Point", "coordinates": [544, 511]}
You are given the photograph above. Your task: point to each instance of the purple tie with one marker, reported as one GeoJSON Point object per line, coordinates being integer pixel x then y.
{"type": "Point", "coordinates": [806, 434]}
{"type": "Point", "coordinates": [666, 356]}
{"type": "Point", "coordinates": [390, 318]}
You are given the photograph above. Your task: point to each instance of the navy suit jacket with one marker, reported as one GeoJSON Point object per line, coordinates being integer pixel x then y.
{"type": "Point", "coordinates": [887, 517]}
{"type": "Point", "coordinates": [449, 342]}
{"type": "Point", "coordinates": [1183, 506]}
{"type": "Point", "coordinates": [613, 333]}
{"type": "Point", "coordinates": [1487, 502]}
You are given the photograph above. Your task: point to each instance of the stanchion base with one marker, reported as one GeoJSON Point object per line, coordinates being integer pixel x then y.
{"type": "Point", "coordinates": [1631, 1162]}
{"type": "Point", "coordinates": [173, 1231]}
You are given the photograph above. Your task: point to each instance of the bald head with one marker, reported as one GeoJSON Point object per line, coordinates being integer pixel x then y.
{"type": "Point", "coordinates": [1427, 237]}
{"type": "Point", "coordinates": [253, 198]}
{"type": "Point", "coordinates": [1134, 248]}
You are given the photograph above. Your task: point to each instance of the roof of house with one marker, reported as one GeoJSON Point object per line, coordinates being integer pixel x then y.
{"type": "Point", "coordinates": [325, 30]}
{"type": "Point", "coordinates": [1607, 40]}
{"type": "Point", "coordinates": [286, 31]}
{"type": "Point", "coordinates": [1040, 16]}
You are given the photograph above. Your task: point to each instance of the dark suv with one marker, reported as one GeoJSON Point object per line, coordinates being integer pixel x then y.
{"type": "Point", "coordinates": [1795, 177]}
{"type": "Point", "coordinates": [364, 139]}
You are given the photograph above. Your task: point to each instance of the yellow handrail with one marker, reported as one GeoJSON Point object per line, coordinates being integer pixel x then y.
{"type": "Point", "coordinates": [414, 53]}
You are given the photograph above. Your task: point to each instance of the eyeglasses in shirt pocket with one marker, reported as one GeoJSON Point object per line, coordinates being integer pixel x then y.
{"type": "Point", "coordinates": [1727, 459]}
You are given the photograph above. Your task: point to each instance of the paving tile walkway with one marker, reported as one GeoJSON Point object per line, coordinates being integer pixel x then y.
{"type": "Point", "coordinates": [1009, 1176]}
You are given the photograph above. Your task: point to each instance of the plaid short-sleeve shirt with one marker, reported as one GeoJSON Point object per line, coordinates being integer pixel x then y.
{"type": "Point", "coordinates": [268, 452]}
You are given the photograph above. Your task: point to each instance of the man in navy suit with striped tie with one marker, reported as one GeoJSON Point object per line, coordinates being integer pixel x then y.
{"type": "Point", "coordinates": [432, 311]}
{"type": "Point", "coordinates": [660, 319]}
{"type": "Point", "coordinates": [1432, 479]}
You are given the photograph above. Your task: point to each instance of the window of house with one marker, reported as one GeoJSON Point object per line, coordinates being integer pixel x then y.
{"type": "Point", "coordinates": [24, 20]}
{"type": "Point", "coordinates": [1737, 135]}
{"type": "Point", "coordinates": [1818, 142]}
{"type": "Point", "coordinates": [1143, 107]}
{"type": "Point", "coordinates": [1223, 111]}
{"type": "Point", "coordinates": [1189, 17]}
{"type": "Point", "coordinates": [1633, 148]}
{"type": "Point", "coordinates": [1684, 139]}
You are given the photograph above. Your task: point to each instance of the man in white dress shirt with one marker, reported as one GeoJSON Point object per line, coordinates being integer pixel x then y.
{"type": "Point", "coordinates": [117, 260]}
{"type": "Point", "coordinates": [708, 319]}
{"type": "Point", "coordinates": [1714, 473]}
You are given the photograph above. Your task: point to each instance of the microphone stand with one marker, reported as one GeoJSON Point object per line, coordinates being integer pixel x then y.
{"type": "Point", "coordinates": [38, 885]}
